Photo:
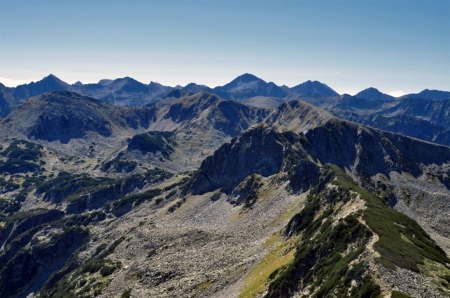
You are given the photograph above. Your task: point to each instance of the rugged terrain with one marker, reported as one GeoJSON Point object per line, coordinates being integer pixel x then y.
{"type": "Point", "coordinates": [198, 196]}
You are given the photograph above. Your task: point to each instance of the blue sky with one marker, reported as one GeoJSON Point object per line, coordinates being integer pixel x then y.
{"type": "Point", "coordinates": [395, 46]}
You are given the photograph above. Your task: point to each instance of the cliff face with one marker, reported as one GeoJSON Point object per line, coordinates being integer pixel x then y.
{"type": "Point", "coordinates": [368, 152]}
{"type": "Point", "coordinates": [362, 151]}
{"type": "Point", "coordinates": [260, 150]}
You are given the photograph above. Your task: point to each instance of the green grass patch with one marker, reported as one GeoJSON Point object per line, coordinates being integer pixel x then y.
{"type": "Point", "coordinates": [255, 281]}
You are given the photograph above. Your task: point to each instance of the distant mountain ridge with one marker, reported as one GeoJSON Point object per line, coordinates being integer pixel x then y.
{"type": "Point", "coordinates": [130, 92]}
{"type": "Point", "coordinates": [314, 87]}
{"type": "Point", "coordinates": [49, 83]}
{"type": "Point", "coordinates": [373, 94]}
{"type": "Point", "coordinates": [122, 91]}
{"type": "Point", "coordinates": [248, 85]}
{"type": "Point", "coordinates": [430, 94]}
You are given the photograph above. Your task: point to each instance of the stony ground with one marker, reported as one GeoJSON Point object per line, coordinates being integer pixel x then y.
{"type": "Point", "coordinates": [204, 248]}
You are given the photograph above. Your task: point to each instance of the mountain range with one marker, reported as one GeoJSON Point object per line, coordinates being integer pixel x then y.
{"type": "Point", "coordinates": [129, 92]}
{"type": "Point", "coordinates": [243, 190]}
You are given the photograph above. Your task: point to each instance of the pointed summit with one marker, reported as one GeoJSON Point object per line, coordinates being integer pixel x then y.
{"type": "Point", "coordinates": [241, 81]}
{"type": "Point", "coordinates": [49, 83]}
{"type": "Point", "coordinates": [247, 78]}
{"type": "Point", "coordinates": [373, 94]}
{"type": "Point", "coordinates": [314, 87]}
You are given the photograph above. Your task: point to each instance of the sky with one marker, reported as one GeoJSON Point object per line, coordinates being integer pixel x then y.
{"type": "Point", "coordinates": [395, 46]}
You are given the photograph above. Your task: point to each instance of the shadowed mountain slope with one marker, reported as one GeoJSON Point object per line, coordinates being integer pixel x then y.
{"type": "Point", "coordinates": [7, 101]}
{"type": "Point", "coordinates": [64, 116]}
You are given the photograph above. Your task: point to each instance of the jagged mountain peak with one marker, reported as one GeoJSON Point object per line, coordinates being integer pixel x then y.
{"type": "Point", "coordinates": [49, 83]}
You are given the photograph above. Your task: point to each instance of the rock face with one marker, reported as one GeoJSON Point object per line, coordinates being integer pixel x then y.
{"type": "Point", "coordinates": [368, 152]}
{"type": "Point", "coordinates": [364, 152]}
{"type": "Point", "coordinates": [260, 150]}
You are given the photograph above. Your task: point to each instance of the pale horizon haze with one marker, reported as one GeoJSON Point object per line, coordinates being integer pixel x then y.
{"type": "Point", "coordinates": [395, 46]}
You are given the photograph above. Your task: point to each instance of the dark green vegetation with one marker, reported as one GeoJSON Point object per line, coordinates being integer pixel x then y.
{"type": "Point", "coordinates": [402, 242]}
{"type": "Point", "coordinates": [247, 191]}
{"type": "Point", "coordinates": [124, 205]}
{"type": "Point", "coordinates": [23, 150]}
{"type": "Point", "coordinates": [119, 165]}
{"type": "Point", "coordinates": [126, 294]}
{"type": "Point", "coordinates": [323, 255]}
{"type": "Point", "coordinates": [155, 141]}
{"type": "Point", "coordinates": [83, 192]}
{"type": "Point", "coordinates": [29, 264]}
{"type": "Point", "coordinates": [397, 294]}
{"type": "Point", "coordinates": [20, 157]}
{"type": "Point", "coordinates": [85, 280]}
